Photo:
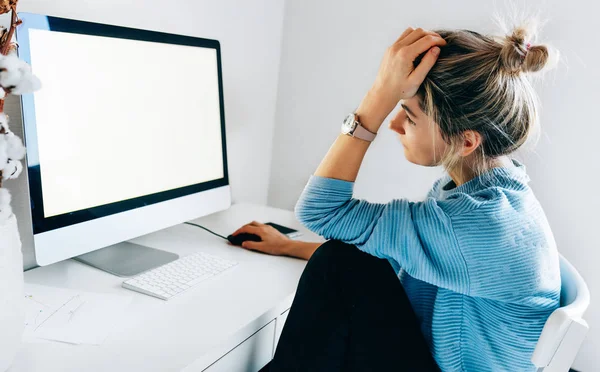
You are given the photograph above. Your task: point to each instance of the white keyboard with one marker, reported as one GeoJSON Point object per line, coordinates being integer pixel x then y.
{"type": "Point", "coordinates": [175, 277]}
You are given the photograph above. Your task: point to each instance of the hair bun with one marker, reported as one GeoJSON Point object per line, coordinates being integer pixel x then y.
{"type": "Point", "coordinates": [519, 56]}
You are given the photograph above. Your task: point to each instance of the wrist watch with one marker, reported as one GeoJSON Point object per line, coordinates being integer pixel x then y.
{"type": "Point", "coordinates": [354, 128]}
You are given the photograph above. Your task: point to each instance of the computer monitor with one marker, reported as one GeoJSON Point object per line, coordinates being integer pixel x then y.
{"type": "Point", "coordinates": [126, 137]}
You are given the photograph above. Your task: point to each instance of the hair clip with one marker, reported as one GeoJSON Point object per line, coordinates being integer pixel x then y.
{"type": "Point", "coordinates": [526, 50]}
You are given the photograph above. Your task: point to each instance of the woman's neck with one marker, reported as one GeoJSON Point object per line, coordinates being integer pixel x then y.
{"type": "Point", "coordinates": [463, 173]}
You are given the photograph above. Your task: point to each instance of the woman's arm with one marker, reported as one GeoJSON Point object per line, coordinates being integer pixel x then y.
{"type": "Point", "coordinates": [345, 156]}
{"type": "Point", "coordinates": [397, 79]}
{"type": "Point", "coordinates": [418, 237]}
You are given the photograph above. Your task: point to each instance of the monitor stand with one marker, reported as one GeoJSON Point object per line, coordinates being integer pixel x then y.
{"type": "Point", "coordinates": [127, 259]}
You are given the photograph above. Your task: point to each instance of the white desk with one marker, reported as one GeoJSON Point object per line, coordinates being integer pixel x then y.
{"type": "Point", "coordinates": [233, 314]}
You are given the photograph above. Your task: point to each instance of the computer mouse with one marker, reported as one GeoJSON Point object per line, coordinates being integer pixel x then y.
{"type": "Point", "coordinates": [240, 238]}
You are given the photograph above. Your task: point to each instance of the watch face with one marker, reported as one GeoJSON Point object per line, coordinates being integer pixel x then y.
{"type": "Point", "coordinates": [349, 124]}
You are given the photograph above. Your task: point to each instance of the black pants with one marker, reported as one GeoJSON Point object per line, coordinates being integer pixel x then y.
{"type": "Point", "coordinates": [350, 313]}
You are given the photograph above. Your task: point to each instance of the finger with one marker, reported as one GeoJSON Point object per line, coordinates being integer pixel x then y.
{"type": "Point", "coordinates": [423, 44]}
{"type": "Point", "coordinates": [404, 34]}
{"type": "Point", "coordinates": [427, 62]}
{"type": "Point", "coordinates": [248, 229]}
{"type": "Point", "coordinates": [417, 34]}
{"type": "Point", "coordinates": [253, 223]}
{"type": "Point", "coordinates": [248, 244]}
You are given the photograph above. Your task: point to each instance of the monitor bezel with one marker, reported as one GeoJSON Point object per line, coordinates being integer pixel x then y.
{"type": "Point", "coordinates": [42, 224]}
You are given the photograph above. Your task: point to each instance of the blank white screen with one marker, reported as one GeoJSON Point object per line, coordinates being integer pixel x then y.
{"type": "Point", "coordinates": [118, 119]}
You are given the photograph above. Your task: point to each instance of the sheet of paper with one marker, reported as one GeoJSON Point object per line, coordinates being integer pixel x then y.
{"type": "Point", "coordinates": [70, 316]}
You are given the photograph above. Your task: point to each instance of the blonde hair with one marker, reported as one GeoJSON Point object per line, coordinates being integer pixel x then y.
{"type": "Point", "coordinates": [480, 83]}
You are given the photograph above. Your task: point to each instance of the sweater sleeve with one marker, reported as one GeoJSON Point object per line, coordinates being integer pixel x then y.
{"type": "Point", "coordinates": [417, 236]}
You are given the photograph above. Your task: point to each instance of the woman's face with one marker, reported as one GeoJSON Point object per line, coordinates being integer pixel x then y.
{"type": "Point", "coordinates": [419, 135]}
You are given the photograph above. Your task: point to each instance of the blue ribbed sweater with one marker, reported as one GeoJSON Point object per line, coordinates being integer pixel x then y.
{"type": "Point", "coordinates": [478, 262]}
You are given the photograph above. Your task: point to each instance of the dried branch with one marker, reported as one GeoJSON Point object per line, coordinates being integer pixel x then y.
{"type": "Point", "coordinates": [5, 42]}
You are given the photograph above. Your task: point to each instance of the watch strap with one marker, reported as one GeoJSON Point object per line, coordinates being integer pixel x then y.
{"type": "Point", "coordinates": [361, 133]}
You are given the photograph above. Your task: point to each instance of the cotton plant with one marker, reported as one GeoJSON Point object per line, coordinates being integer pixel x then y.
{"type": "Point", "coordinates": [11, 151]}
{"type": "Point", "coordinates": [16, 78]}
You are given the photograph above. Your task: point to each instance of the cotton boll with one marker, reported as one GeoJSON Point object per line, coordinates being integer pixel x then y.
{"type": "Point", "coordinates": [4, 120]}
{"type": "Point", "coordinates": [5, 209]}
{"type": "Point", "coordinates": [5, 197]}
{"type": "Point", "coordinates": [16, 76]}
{"type": "Point", "coordinates": [5, 200]}
{"type": "Point", "coordinates": [19, 169]}
{"type": "Point", "coordinates": [15, 149]}
{"type": "Point", "coordinates": [12, 169]}
{"type": "Point", "coordinates": [29, 83]}
{"type": "Point", "coordinates": [10, 71]}
{"type": "Point", "coordinates": [3, 151]}
{"type": "Point", "coordinates": [5, 213]}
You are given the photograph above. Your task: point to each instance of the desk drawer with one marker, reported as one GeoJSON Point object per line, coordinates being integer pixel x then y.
{"type": "Point", "coordinates": [249, 356]}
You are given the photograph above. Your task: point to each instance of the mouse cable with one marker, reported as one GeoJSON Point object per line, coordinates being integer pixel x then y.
{"type": "Point", "coordinates": [202, 227]}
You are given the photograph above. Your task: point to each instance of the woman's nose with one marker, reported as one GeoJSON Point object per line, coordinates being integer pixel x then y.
{"type": "Point", "coordinates": [397, 124]}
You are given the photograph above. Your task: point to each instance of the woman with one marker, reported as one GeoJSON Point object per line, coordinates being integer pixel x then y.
{"type": "Point", "coordinates": [477, 262]}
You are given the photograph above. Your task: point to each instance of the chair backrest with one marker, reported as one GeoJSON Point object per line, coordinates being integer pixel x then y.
{"type": "Point", "coordinates": [573, 288]}
{"type": "Point", "coordinates": [565, 329]}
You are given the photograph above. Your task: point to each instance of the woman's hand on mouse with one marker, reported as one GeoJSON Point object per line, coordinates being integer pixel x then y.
{"type": "Point", "coordinates": [398, 78]}
{"type": "Point", "coordinates": [273, 242]}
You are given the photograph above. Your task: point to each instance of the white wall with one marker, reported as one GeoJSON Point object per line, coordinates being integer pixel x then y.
{"type": "Point", "coordinates": [250, 36]}
{"type": "Point", "coordinates": [330, 55]}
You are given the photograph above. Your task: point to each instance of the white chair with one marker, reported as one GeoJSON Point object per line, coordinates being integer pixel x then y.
{"type": "Point", "coordinates": [565, 329]}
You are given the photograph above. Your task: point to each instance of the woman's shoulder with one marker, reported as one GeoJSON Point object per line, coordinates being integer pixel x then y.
{"type": "Point", "coordinates": [496, 191]}
{"type": "Point", "coordinates": [492, 199]}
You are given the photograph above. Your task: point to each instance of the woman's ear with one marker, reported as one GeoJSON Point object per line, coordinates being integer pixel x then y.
{"type": "Point", "coordinates": [471, 140]}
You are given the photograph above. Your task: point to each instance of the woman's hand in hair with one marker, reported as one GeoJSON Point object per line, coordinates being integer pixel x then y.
{"type": "Point", "coordinates": [398, 78]}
